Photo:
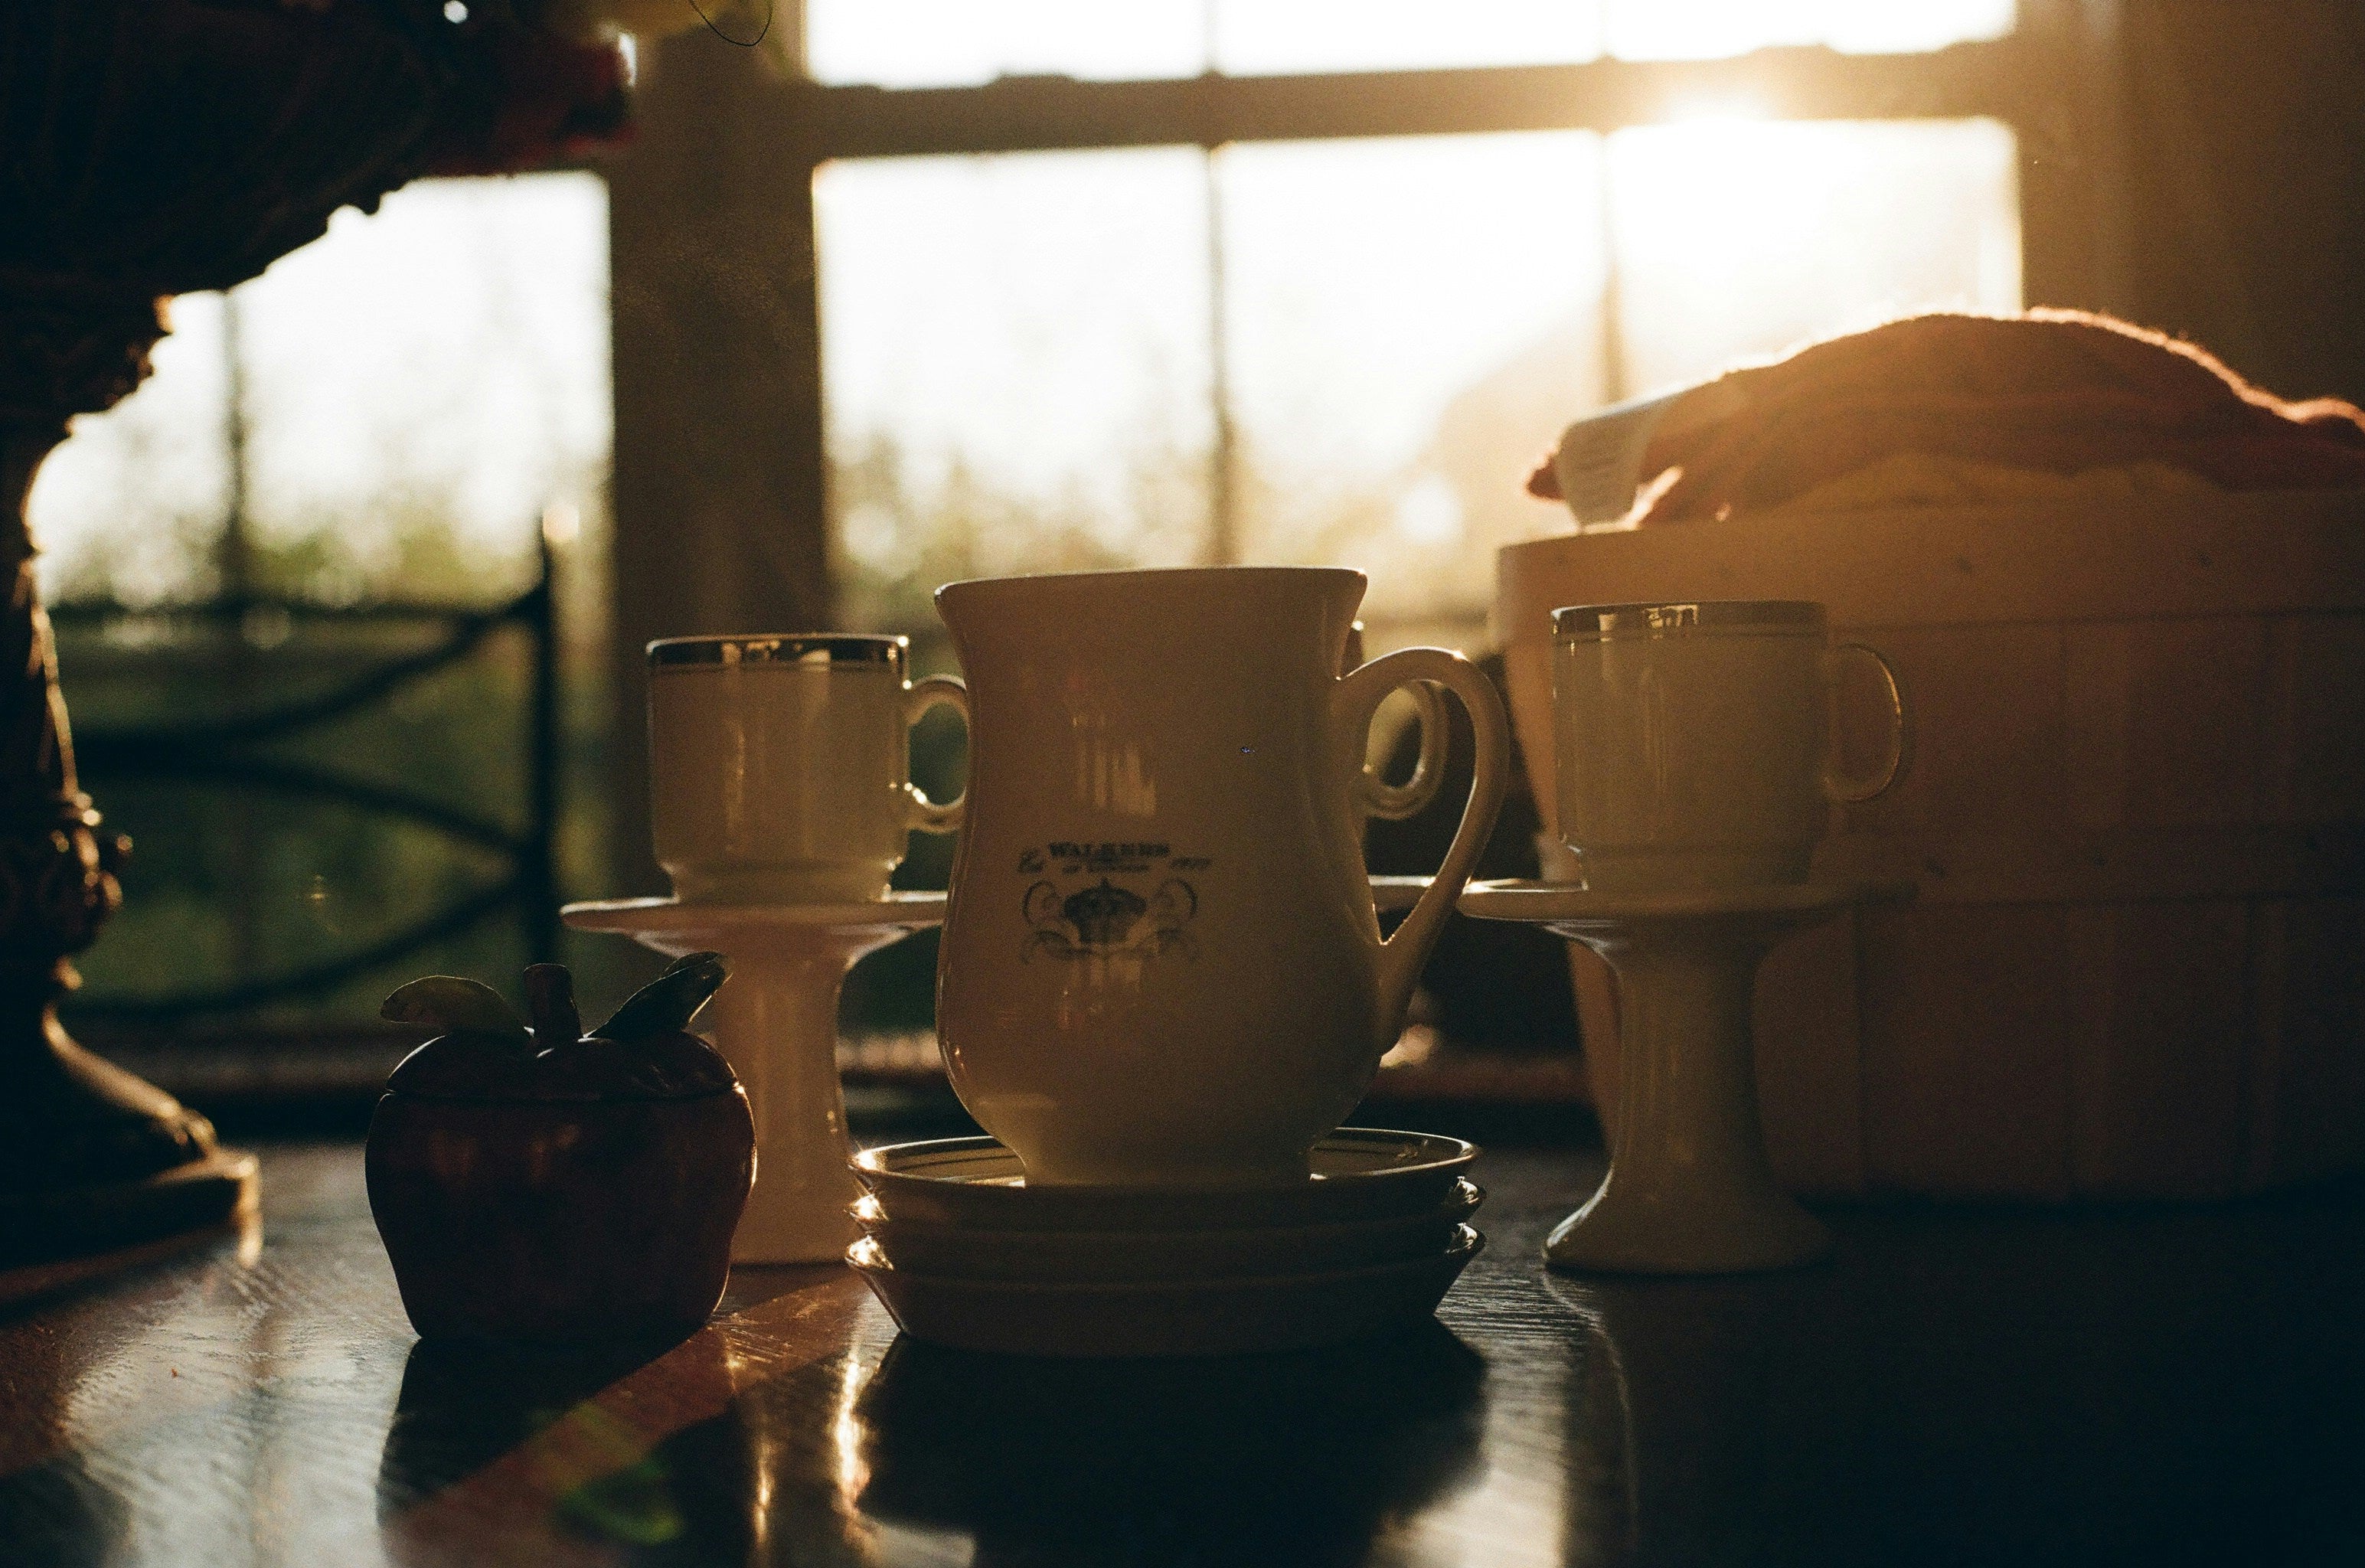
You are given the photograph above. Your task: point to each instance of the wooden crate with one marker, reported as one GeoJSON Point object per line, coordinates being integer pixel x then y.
{"type": "Point", "coordinates": [2135, 814]}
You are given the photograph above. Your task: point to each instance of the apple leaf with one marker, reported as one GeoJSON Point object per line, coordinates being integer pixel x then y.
{"type": "Point", "coordinates": [454, 1005]}
{"type": "Point", "coordinates": [666, 1005]}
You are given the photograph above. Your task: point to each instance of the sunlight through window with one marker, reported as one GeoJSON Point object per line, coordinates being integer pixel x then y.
{"type": "Point", "coordinates": [946, 43]}
{"type": "Point", "coordinates": [1023, 353]}
{"type": "Point", "coordinates": [1704, 29]}
{"type": "Point", "coordinates": [1019, 357]}
{"type": "Point", "coordinates": [952, 43]}
{"type": "Point", "coordinates": [1407, 321]}
{"type": "Point", "coordinates": [1735, 240]}
{"type": "Point", "coordinates": [388, 410]}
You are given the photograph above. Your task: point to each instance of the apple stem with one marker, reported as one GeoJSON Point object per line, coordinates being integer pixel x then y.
{"type": "Point", "coordinates": [549, 999]}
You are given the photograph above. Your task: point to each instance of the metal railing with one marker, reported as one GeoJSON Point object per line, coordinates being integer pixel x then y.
{"type": "Point", "coordinates": [229, 753]}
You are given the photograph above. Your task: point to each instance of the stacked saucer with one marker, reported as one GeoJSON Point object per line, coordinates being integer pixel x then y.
{"type": "Point", "coordinates": [963, 1252]}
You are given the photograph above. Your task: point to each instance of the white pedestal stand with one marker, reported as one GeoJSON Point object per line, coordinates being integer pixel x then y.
{"type": "Point", "coordinates": [1689, 1191]}
{"type": "Point", "coordinates": [775, 1022]}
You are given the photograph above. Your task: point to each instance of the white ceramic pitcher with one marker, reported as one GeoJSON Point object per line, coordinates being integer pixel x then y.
{"type": "Point", "coordinates": [1160, 963]}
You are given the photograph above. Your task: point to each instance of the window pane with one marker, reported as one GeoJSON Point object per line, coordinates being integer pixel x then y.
{"type": "Point", "coordinates": [1017, 355]}
{"type": "Point", "coordinates": [1411, 321]}
{"type": "Point", "coordinates": [422, 384]}
{"type": "Point", "coordinates": [944, 43]}
{"type": "Point", "coordinates": [1737, 239]}
{"type": "Point", "coordinates": [1275, 36]}
{"type": "Point", "coordinates": [1701, 29]}
{"type": "Point", "coordinates": [232, 884]}
{"type": "Point", "coordinates": [414, 389]}
{"type": "Point", "coordinates": [131, 507]}
{"type": "Point", "coordinates": [1017, 366]}
{"type": "Point", "coordinates": [931, 43]}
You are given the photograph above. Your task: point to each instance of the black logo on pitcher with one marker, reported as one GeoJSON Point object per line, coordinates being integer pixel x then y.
{"type": "Point", "coordinates": [1105, 921]}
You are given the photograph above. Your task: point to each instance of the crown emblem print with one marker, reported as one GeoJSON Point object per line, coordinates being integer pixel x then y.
{"type": "Point", "coordinates": [1105, 921]}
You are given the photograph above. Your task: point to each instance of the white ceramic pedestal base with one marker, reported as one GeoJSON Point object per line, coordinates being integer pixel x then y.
{"type": "Point", "coordinates": [1689, 1191]}
{"type": "Point", "coordinates": [776, 1022]}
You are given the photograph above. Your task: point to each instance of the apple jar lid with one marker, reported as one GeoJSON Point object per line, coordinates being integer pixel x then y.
{"type": "Point", "coordinates": [488, 1053]}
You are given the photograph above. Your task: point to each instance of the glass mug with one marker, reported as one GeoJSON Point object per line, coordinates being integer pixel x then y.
{"type": "Point", "coordinates": [779, 765]}
{"type": "Point", "coordinates": [1695, 741]}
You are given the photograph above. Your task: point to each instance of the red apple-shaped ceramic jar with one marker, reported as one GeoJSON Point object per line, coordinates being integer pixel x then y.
{"type": "Point", "coordinates": [539, 1185]}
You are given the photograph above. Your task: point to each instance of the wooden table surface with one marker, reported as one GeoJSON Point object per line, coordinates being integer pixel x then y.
{"type": "Point", "coordinates": [2147, 1386]}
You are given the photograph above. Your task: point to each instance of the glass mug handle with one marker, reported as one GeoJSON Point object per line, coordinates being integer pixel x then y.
{"type": "Point", "coordinates": [924, 694]}
{"type": "Point", "coordinates": [1853, 792]}
{"type": "Point", "coordinates": [1394, 802]}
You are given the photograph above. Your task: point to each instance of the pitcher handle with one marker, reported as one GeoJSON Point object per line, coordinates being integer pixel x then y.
{"type": "Point", "coordinates": [1395, 802]}
{"type": "Point", "coordinates": [1358, 697]}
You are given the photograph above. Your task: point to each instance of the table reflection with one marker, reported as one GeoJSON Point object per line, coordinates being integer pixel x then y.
{"type": "Point", "coordinates": [2144, 1385]}
{"type": "Point", "coordinates": [2152, 1386]}
{"type": "Point", "coordinates": [1674, 1423]}
{"type": "Point", "coordinates": [1288, 1458]}
{"type": "Point", "coordinates": [907, 1453]}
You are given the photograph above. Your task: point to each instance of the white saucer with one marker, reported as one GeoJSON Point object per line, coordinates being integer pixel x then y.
{"type": "Point", "coordinates": [1358, 1173]}
{"type": "Point", "coordinates": [1391, 894]}
{"type": "Point", "coordinates": [900, 910]}
{"type": "Point", "coordinates": [1554, 903]}
{"type": "Point", "coordinates": [670, 917]}
{"type": "Point", "coordinates": [1078, 1256]}
{"type": "Point", "coordinates": [1175, 1317]}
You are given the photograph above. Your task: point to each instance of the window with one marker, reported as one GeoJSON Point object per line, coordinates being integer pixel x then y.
{"type": "Point", "coordinates": [382, 413]}
{"type": "Point", "coordinates": [1309, 282]}
{"type": "Point", "coordinates": [346, 464]}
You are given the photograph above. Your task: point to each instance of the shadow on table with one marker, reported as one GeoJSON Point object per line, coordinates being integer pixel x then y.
{"type": "Point", "coordinates": [1296, 1458]}
{"type": "Point", "coordinates": [2163, 1387]}
{"type": "Point", "coordinates": [60, 1513]}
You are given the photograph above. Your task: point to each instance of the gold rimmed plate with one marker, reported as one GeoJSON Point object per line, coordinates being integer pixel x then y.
{"type": "Point", "coordinates": [1356, 1174]}
{"type": "Point", "coordinates": [1557, 903]}
{"type": "Point", "coordinates": [1134, 1255]}
{"type": "Point", "coordinates": [1165, 1317]}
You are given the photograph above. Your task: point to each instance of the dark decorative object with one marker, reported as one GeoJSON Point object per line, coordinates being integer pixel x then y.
{"type": "Point", "coordinates": [149, 147]}
{"type": "Point", "coordinates": [543, 1186]}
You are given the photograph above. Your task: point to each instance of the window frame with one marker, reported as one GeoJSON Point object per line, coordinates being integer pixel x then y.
{"type": "Point", "coordinates": [1031, 113]}
{"type": "Point", "coordinates": [2051, 80]}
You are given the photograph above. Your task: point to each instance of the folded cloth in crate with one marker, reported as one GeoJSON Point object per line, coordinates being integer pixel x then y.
{"type": "Point", "coordinates": [2050, 391]}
